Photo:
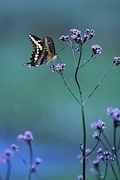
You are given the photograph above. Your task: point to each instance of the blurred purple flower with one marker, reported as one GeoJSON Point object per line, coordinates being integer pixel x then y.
{"type": "Point", "coordinates": [80, 156]}
{"type": "Point", "coordinates": [95, 135]}
{"type": "Point", "coordinates": [27, 136]}
{"type": "Point", "coordinates": [8, 152]}
{"type": "Point", "coordinates": [99, 150]}
{"type": "Point", "coordinates": [14, 147]}
{"type": "Point", "coordinates": [20, 137]}
{"type": "Point", "coordinates": [33, 168]}
{"type": "Point", "coordinates": [115, 114]}
{"type": "Point", "coordinates": [100, 125]}
{"type": "Point", "coordinates": [38, 161]}
{"type": "Point", "coordinates": [2, 160]}
{"type": "Point", "coordinates": [96, 163]}
{"type": "Point", "coordinates": [80, 177]}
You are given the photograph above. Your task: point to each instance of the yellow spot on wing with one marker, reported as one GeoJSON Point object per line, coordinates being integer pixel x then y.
{"type": "Point", "coordinates": [37, 43]}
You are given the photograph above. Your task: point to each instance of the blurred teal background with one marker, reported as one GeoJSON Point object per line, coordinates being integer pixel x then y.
{"type": "Point", "coordinates": [36, 99]}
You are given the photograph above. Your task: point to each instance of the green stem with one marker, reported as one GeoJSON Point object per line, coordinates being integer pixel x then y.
{"type": "Point", "coordinates": [94, 146]}
{"type": "Point", "coordinates": [106, 139]}
{"type": "Point", "coordinates": [85, 62]}
{"type": "Point", "coordinates": [106, 169]}
{"type": "Point", "coordinates": [8, 169]}
{"type": "Point", "coordinates": [116, 178]}
{"type": "Point", "coordinates": [84, 142]}
{"type": "Point", "coordinates": [69, 89]}
{"type": "Point", "coordinates": [31, 159]}
{"type": "Point", "coordinates": [76, 74]}
{"type": "Point", "coordinates": [83, 115]}
{"type": "Point", "coordinates": [20, 155]}
{"type": "Point", "coordinates": [98, 84]}
{"type": "Point", "coordinates": [117, 159]}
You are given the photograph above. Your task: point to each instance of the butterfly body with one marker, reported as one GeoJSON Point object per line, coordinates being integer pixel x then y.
{"type": "Point", "coordinates": [44, 51]}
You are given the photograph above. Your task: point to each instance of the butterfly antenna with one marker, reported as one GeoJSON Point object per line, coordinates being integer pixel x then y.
{"type": "Point", "coordinates": [58, 57]}
{"type": "Point", "coordinates": [60, 50]}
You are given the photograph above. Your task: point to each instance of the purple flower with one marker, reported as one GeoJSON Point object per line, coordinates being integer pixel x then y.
{"type": "Point", "coordinates": [8, 153]}
{"type": "Point", "coordinates": [38, 161]}
{"type": "Point", "coordinates": [96, 49]}
{"type": "Point", "coordinates": [80, 177]}
{"type": "Point", "coordinates": [2, 160]}
{"type": "Point", "coordinates": [58, 68]}
{"type": "Point", "coordinates": [33, 168]}
{"type": "Point", "coordinates": [66, 39]}
{"type": "Point", "coordinates": [28, 136]}
{"type": "Point", "coordinates": [99, 150]}
{"type": "Point", "coordinates": [92, 33]}
{"type": "Point", "coordinates": [20, 137]}
{"type": "Point", "coordinates": [76, 35]}
{"type": "Point", "coordinates": [14, 147]}
{"type": "Point", "coordinates": [88, 34]}
{"type": "Point", "coordinates": [96, 163]}
{"type": "Point", "coordinates": [116, 60]}
{"type": "Point", "coordinates": [115, 114]}
{"type": "Point", "coordinates": [52, 67]}
{"type": "Point", "coordinates": [100, 125]}
{"type": "Point", "coordinates": [107, 154]}
{"type": "Point", "coordinates": [95, 135]}
{"type": "Point", "coordinates": [63, 38]}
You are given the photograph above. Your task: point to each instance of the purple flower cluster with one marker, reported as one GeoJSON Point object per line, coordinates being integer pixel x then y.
{"type": "Point", "coordinates": [103, 156]}
{"type": "Point", "coordinates": [115, 114]}
{"type": "Point", "coordinates": [33, 166]}
{"type": "Point", "coordinates": [96, 49]}
{"type": "Point", "coordinates": [77, 36]}
{"type": "Point", "coordinates": [116, 60]}
{"type": "Point", "coordinates": [27, 136]}
{"type": "Point", "coordinates": [6, 156]}
{"type": "Point", "coordinates": [66, 39]}
{"type": "Point", "coordinates": [58, 68]}
{"type": "Point", "coordinates": [100, 126]}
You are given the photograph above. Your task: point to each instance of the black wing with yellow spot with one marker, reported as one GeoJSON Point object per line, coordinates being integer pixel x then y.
{"type": "Point", "coordinates": [44, 51]}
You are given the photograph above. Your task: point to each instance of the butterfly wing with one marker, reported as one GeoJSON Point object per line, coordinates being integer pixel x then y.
{"type": "Point", "coordinates": [50, 49]}
{"type": "Point", "coordinates": [44, 51]}
{"type": "Point", "coordinates": [36, 55]}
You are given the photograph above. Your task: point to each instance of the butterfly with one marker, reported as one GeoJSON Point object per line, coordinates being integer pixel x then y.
{"type": "Point", "coordinates": [44, 51]}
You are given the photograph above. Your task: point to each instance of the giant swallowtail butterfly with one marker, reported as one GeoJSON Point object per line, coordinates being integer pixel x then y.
{"type": "Point", "coordinates": [44, 51]}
